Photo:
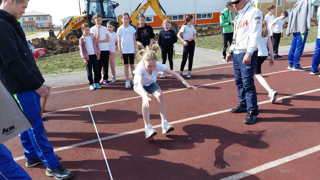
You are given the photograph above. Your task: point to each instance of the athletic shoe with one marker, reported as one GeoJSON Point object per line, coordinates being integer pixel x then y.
{"type": "Point", "coordinates": [273, 96]}
{"type": "Point", "coordinates": [290, 67]}
{"type": "Point", "coordinates": [314, 73]}
{"type": "Point", "coordinates": [189, 75]}
{"type": "Point", "coordinates": [33, 162]}
{"type": "Point", "coordinates": [128, 85]}
{"type": "Point", "coordinates": [59, 173]}
{"type": "Point", "coordinates": [106, 82]}
{"type": "Point", "coordinates": [250, 118]}
{"type": "Point", "coordinates": [180, 73]}
{"type": "Point", "coordinates": [238, 109]}
{"type": "Point", "coordinates": [114, 79]}
{"type": "Point", "coordinates": [277, 56]}
{"type": "Point", "coordinates": [162, 75]}
{"type": "Point", "coordinates": [166, 128]}
{"type": "Point", "coordinates": [298, 69]}
{"type": "Point", "coordinates": [150, 132]}
{"type": "Point", "coordinates": [97, 85]}
{"type": "Point", "coordinates": [102, 82]}
{"type": "Point", "coordinates": [224, 59]}
{"type": "Point", "coordinates": [92, 87]}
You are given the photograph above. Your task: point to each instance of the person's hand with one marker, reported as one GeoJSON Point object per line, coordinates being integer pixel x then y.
{"type": "Point", "coordinates": [229, 57]}
{"type": "Point", "coordinates": [135, 54]}
{"type": "Point", "coordinates": [185, 43]}
{"type": "Point", "coordinates": [247, 59]}
{"type": "Point", "coordinates": [193, 87]}
{"type": "Point", "coordinates": [232, 22]}
{"type": "Point", "coordinates": [43, 91]}
{"type": "Point", "coordinates": [190, 39]}
{"type": "Point", "coordinates": [271, 61]}
{"type": "Point", "coordinates": [98, 58]}
{"type": "Point", "coordinates": [281, 34]}
{"type": "Point", "coordinates": [98, 26]}
{"type": "Point", "coordinates": [85, 62]}
{"type": "Point", "coordinates": [145, 102]}
{"type": "Point", "coordinates": [121, 56]}
{"type": "Point", "coordinates": [271, 34]}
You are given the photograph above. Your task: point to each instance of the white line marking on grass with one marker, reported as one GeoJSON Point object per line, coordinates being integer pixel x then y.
{"type": "Point", "coordinates": [172, 122]}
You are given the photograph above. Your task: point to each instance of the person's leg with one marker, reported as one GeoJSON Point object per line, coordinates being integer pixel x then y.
{"type": "Point", "coordinates": [170, 57]}
{"type": "Point", "coordinates": [230, 36]}
{"type": "Point", "coordinates": [105, 64]}
{"type": "Point", "coordinates": [28, 101]}
{"type": "Point", "coordinates": [275, 42]}
{"type": "Point", "coordinates": [258, 75]}
{"type": "Point", "coordinates": [131, 57]}
{"type": "Point", "coordinates": [237, 62]}
{"type": "Point", "coordinates": [292, 49]}
{"type": "Point", "coordinates": [96, 70]}
{"type": "Point", "coordinates": [184, 57]}
{"type": "Point", "coordinates": [191, 54]}
{"type": "Point", "coordinates": [99, 66]}
{"type": "Point", "coordinates": [316, 58]}
{"type": "Point", "coordinates": [89, 71]}
{"type": "Point", "coordinates": [126, 66]}
{"type": "Point", "coordinates": [301, 41]}
{"type": "Point", "coordinates": [225, 44]}
{"type": "Point", "coordinates": [112, 59]}
{"type": "Point", "coordinates": [164, 55]}
{"type": "Point", "coordinates": [9, 169]}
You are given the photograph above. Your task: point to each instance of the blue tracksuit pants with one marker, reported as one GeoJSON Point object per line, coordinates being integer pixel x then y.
{"type": "Point", "coordinates": [296, 50]}
{"type": "Point", "coordinates": [316, 58]}
{"type": "Point", "coordinates": [10, 169]}
{"type": "Point", "coordinates": [247, 95]}
{"type": "Point", "coordinates": [34, 141]}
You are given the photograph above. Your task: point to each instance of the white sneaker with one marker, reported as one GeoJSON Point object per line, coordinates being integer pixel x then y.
{"type": "Point", "coordinates": [162, 75]}
{"type": "Point", "coordinates": [273, 96]}
{"type": "Point", "coordinates": [150, 132]}
{"type": "Point", "coordinates": [128, 85]}
{"type": "Point", "coordinates": [114, 79]}
{"type": "Point", "coordinates": [91, 87]}
{"type": "Point", "coordinates": [166, 128]}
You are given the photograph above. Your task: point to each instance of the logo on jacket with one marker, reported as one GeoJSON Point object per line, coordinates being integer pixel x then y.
{"type": "Point", "coordinates": [9, 130]}
{"type": "Point", "coordinates": [242, 24]}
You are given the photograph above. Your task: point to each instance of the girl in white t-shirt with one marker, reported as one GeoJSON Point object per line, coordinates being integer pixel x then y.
{"type": "Point", "coordinates": [102, 35]}
{"type": "Point", "coordinates": [127, 46]}
{"type": "Point", "coordinates": [113, 47]}
{"type": "Point", "coordinates": [265, 42]}
{"type": "Point", "coordinates": [145, 84]}
{"type": "Point", "coordinates": [187, 35]}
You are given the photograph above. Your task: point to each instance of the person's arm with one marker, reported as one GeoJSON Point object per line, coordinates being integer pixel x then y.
{"type": "Point", "coordinates": [96, 47]}
{"type": "Point", "coordinates": [119, 44]}
{"type": "Point", "coordinates": [160, 38]}
{"type": "Point", "coordinates": [224, 21]}
{"type": "Point", "coordinates": [269, 44]}
{"type": "Point", "coordinates": [13, 61]}
{"type": "Point", "coordinates": [175, 38]}
{"type": "Point", "coordinates": [135, 45]}
{"type": "Point", "coordinates": [144, 94]}
{"type": "Point", "coordinates": [138, 35]}
{"type": "Point", "coordinates": [81, 50]}
{"type": "Point", "coordinates": [107, 38]}
{"type": "Point", "coordinates": [271, 27]}
{"type": "Point", "coordinates": [177, 76]}
{"type": "Point", "coordinates": [151, 35]}
{"type": "Point", "coordinates": [180, 34]}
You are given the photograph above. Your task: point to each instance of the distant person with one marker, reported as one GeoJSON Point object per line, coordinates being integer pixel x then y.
{"type": "Point", "coordinates": [227, 28]}
{"type": "Point", "coordinates": [90, 53]}
{"type": "Point", "coordinates": [299, 25]}
{"type": "Point", "coordinates": [113, 44]}
{"type": "Point", "coordinates": [102, 35]}
{"type": "Point", "coordinates": [277, 32]}
{"type": "Point", "coordinates": [316, 56]}
{"type": "Point", "coordinates": [270, 17]}
{"type": "Point", "coordinates": [244, 53]}
{"type": "Point", "coordinates": [145, 85]}
{"type": "Point", "coordinates": [21, 76]}
{"type": "Point", "coordinates": [127, 46]}
{"type": "Point", "coordinates": [187, 35]}
{"type": "Point", "coordinates": [115, 5]}
{"type": "Point", "coordinates": [265, 42]}
{"type": "Point", "coordinates": [144, 32]}
{"type": "Point", "coordinates": [166, 39]}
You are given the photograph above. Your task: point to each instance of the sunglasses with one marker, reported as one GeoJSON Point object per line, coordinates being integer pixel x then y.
{"type": "Point", "coordinates": [236, 2]}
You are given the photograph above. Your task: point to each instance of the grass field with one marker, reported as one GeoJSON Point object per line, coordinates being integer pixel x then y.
{"type": "Point", "coordinates": [29, 33]}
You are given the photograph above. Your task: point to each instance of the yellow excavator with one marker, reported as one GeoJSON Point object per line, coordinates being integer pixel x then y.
{"type": "Point", "coordinates": [72, 29]}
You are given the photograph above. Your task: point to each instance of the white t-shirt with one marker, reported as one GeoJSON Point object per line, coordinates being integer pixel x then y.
{"type": "Point", "coordinates": [269, 19]}
{"type": "Point", "coordinates": [277, 27]}
{"type": "Point", "coordinates": [113, 39]}
{"type": "Point", "coordinates": [263, 45]}
{"type": "Point", "coordinates": [127, 43]}
{"type": "Point", "coordinates": [89, 45]}
{"type": "Point", "coordinates": [187, 31]}
{"type": "Point", "coordinates": [148, 78]}
{"type": "Point", "coordinates": [103, 34]}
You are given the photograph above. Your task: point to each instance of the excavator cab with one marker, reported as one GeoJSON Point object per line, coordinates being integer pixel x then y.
{"type": "Point", "coordinates": [104, 7]}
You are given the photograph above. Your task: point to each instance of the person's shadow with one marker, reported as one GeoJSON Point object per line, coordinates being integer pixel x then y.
{"type": "Point", "coordinates": [197, 133]}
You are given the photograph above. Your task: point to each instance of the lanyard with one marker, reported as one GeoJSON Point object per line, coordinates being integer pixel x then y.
{"type": "Point", "coordinates": [237, 25]}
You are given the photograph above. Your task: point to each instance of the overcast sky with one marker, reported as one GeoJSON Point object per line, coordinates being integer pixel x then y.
{"type": "Point", "coordinates": [58, 9]}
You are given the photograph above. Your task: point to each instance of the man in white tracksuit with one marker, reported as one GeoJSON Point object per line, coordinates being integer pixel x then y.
{"type": "Point", "coordinates": [244, 52]}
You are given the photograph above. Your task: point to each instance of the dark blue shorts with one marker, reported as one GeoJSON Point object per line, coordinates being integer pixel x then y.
{"type": "Point", "coordinates": [150, 89]}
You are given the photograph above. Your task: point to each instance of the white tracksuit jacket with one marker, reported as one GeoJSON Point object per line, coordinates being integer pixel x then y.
{"type": "Point", "coordinates": [247, 30]}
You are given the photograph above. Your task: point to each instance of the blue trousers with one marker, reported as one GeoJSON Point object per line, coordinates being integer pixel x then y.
{"type": "Point", "coordinates": [296, 50]}
{"type": "Point", "coordinates": [34, 141]}
{"type": "Point", "coordinates": [316, 58]}
{"type": "Point", "coordinates": [247, 95]}
{"type": "Point", "coordinates": [10, 169]}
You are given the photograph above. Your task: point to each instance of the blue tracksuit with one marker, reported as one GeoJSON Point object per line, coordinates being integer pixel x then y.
{"type": "Point", "coordinates": [9, 169]}
{"type": "Point", "coordinates": [297, 47]}
{"type": "Point", "coordinates": [316, 56]}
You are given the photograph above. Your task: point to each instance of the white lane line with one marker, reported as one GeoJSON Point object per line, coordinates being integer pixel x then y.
{"type": "Point", "coordinates": [69, 90]}
{"type": "Point", "coordinates": [273, 164]}
{"type": "Point", "coordinates": [172, 122]}
{"type": "Point", "coordinates": [165, 92]}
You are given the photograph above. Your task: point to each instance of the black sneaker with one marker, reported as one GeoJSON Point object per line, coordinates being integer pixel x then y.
{"type": "Point", "coordinates": [59, 173]}
{"type": "Point", "coordinates": [33, 162]}
{"type": "Point", "coordinates": [298, 69]}
{"type": "Point", "coordinates": [250, 118]}
{"type": "Point", "coordinates": [277, 56]}
{"type": "Point", "coordinates": [238, 109]}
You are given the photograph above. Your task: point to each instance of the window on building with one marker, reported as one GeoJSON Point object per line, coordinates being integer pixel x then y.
{"type": "Point", "coordinates": [204, 16]}
{"type": "Point", "coordinates": [38, 18]}
{"type": "Point", "coordinates": [149, 19]}
{"type": "Point", "coordinates": [23, 19]}
{"type": "Point", "coordinates": [279, 2]}
{"type": "Point", "coordinates": [45, 18]}
{"type": "Point", "coordinates": [30, 18]}
{"type": "Point", "coordinates": [179, 17]}
{"type": "Point", "coordinates": [40, 25]}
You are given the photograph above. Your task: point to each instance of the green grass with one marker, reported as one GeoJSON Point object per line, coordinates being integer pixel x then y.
{"type": "Point", "coordinates": [72, 62]}
{"type": "Point", "coordinates": [215, 42]}
{"type": "Point", "coordinates": [29, 33]}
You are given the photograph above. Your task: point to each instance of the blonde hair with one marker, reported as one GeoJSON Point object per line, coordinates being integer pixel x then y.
{"type": "Point", "coordinates": [148, 54]}
{"type": "Point", "coordinates": [264, 29]}
{"type": "Point", "coordinates": [166, 21]}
